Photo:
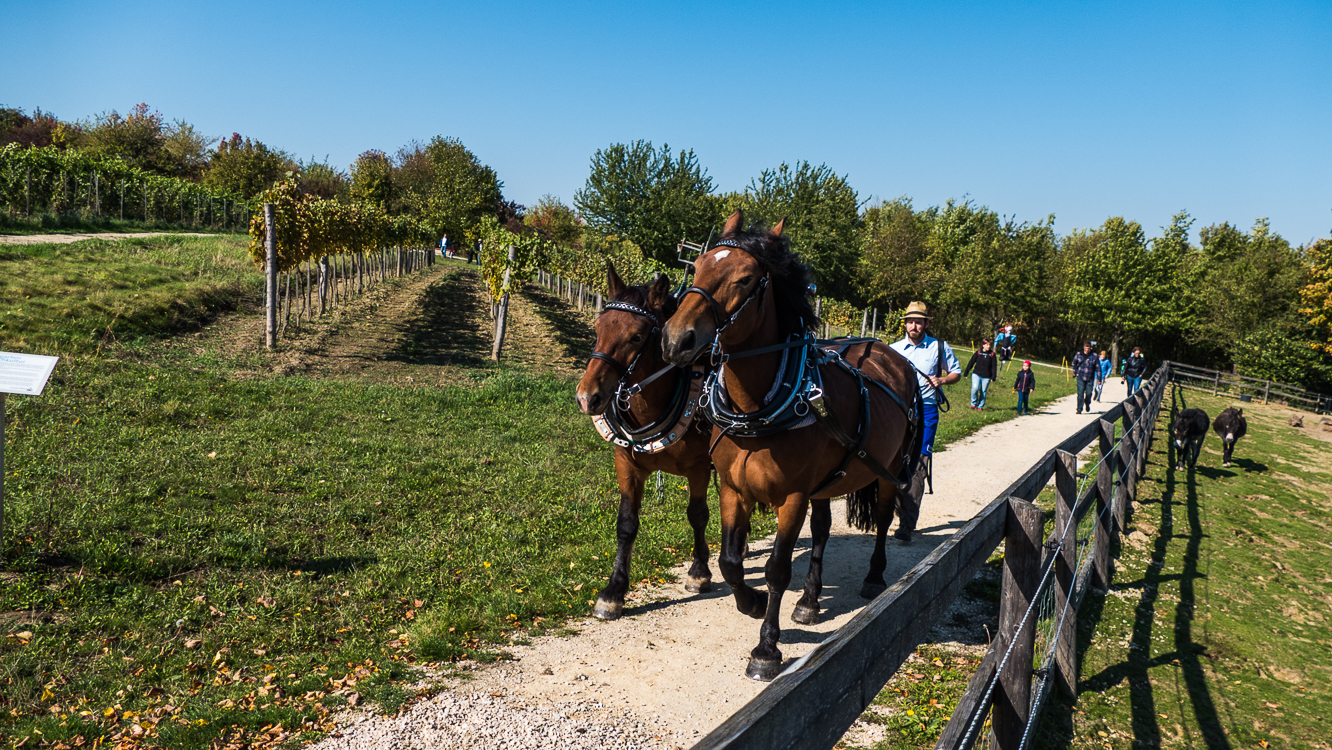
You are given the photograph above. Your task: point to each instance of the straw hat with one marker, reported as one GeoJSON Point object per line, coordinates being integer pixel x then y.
{"type": "Point", "coordinates": [916, 310]}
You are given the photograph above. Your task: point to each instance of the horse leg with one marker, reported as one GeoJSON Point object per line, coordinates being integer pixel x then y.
{"type": "Point", "coordinates": [765, 661]}
{"type": "Point", "coordinates": [699, 578]}
{"type": "Point", "coordinates": [883, 517]}
{"type": "Point", "coordinates": [731, 559]}
{"type": "Point", "coordinates": [610, 600]}
{"type": "Point", "coordinates": [820, 526]}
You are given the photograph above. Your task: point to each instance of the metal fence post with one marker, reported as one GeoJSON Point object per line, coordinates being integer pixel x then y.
{"type": "Point", "coordinates": [1022, 575]}
{"type": "Point", "coordinates": [270, 277]}
{"type": "Point", "coordinates": [1066, 491]}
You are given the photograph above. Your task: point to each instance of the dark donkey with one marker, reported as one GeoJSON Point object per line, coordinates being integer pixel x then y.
{"type": "Point", "coordinates": [646, 408]}
{"type": "Point", "coordinates": [1230, 426]}
{"type": "Point", "coordinates": [1190, 429]}
{"type": "Point", "coordinates": [784, 412]}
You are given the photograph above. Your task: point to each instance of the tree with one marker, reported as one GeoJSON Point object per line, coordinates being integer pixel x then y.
{"type": "Point", "coordinates": [1120, 287]}
{"type": "Point", "coordinates": [894, 248]}
{"type": "Point", "coordinates": [323, 180]}
{"type": "Point", "coordinates": [40, 130]}
{"type": "Point", "coordinates": [649, 197]}
{"type": "Point", "coordinates": [822, 220]}
{"type": "Point", "coordinates": [137, 137]}
{"type": "Point", "coordinates": [246, 167]}
{"type": "Point", "coordinates": [372, 179]}
{"type": "Point", "coordinates": [1316, 296]}
{"type": "Point", "coordinates": [1244, 282]}
{"type": "Point", "coordinates": [186, 150]}
{"type": "Point", "coordinates": [556, 221]}
{"type": "Point", "coordinates": [461, 190]}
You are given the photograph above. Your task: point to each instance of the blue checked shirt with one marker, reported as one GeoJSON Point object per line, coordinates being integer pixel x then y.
{"type": "Point", "coordinates": [925, 358]}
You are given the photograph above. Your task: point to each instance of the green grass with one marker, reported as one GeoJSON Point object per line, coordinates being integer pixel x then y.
{"type": "Point", "coordinates": [86, 222]}
{"type": "Point", "coordinates": [303, 525]}
{"type": "Point", "coordinates": [1216, 632]}
{"type": "Point", "coordinates": [72, 298]}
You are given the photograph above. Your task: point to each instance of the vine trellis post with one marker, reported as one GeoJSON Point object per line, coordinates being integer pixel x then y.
{"type": "Point", "coordinates": [502, 313]}
{"type": "Point", "coordinates": [270, 276]}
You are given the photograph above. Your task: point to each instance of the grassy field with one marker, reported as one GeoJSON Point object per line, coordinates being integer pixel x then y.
{"type": "Point", "coordinates": [199, 549]}
{"type": "Point", "coordinates": [1216, 632]}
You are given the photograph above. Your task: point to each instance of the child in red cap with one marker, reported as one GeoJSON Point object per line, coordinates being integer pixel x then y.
{"type": "Point", "coordinates": [1023, 386]}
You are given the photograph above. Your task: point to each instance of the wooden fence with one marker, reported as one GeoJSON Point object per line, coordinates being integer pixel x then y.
{"type": "Point", "coordinates": [817, 698]}
{"type": "Point", "coordinates": [1247, 389]}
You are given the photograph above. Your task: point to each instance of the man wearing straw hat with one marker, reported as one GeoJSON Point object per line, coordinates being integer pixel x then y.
{"type": "Point", "coordinates": [935, 367]}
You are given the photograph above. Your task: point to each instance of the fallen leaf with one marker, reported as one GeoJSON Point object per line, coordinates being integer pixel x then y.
{"type": "Point", "coordinates": [267, 601]}
{"type": "Point", "coordinates": [417, 603]}
{"type": "Point", "coordinates": [192, 644]}
{"type": "Point", "coordinates": [23, 635]}
{"type": "Point", "coordinates": [354, 698]}
{"type": "Point", "coordinates": [213, 454]}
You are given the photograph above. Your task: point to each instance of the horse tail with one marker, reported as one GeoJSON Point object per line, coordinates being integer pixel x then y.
{"type": "Point", "coordinates": [861, 506]}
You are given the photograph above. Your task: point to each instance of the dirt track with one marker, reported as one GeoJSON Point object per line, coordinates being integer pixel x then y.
{"type": "Point", "coordinates": [66, 238]}
{"type": "Point", "coordinates": [675, 662]}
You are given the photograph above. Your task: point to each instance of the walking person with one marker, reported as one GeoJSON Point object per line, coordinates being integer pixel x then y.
{"type": "Point", "coordinates": [1134, 368]}
{"type": "Point", "coordinates": [1023, 386]}
{"type": "Point", "coordinates": [935, 366]}
{"type": "Point", "coordinates": [986, 366]}
{"type": "Point", "coordinates": [1106, 365]}
{"type": "Point", "coordinates": [1086, 371]}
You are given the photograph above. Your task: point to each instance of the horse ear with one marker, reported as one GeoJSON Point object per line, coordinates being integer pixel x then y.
{"type": "Point", "coordinates": [661, 289]}
{"type": "Point", "coordinates": [777, 230]}
{"type": "Point", "coordinates": [734, 223]}
{"type": "Point", "coordinates": [614, 286]}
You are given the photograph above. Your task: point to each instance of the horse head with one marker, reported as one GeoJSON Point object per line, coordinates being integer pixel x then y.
{"type": "Point", "coordinates": [735, 283]}
{"type": "Point", "coordinates": [627, 329]}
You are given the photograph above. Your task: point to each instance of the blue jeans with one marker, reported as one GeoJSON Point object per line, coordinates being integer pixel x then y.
{"type": "Point", "coordinates": [1022, 407]}
{"type": "Point", "coordinates": [1133, 385]}
{"type": "Point", "coordinates": [931, 415]}
{"type": "Point", "coordinates": [979, 385]}
{"type": "Point", "coordinates": [1085, 388]}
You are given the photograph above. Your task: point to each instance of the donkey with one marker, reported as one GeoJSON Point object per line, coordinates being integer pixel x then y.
{"type": "Point", "coordinates": [1230, 426]}
{"type": "Point", "coordinates": [1190, 429]}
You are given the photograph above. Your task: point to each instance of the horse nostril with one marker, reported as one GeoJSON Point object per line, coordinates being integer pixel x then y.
{"type": "Point", "coordinates": [686, 342]}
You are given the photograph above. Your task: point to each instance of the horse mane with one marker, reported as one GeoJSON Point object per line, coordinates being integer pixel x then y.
{"type": "Point", "coordinates": [790, 278]}
{"type": "Point", "coordinates": [639, 295]}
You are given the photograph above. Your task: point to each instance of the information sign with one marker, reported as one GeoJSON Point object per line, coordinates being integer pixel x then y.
{"type": "Point", "coordinates": [25, 374]}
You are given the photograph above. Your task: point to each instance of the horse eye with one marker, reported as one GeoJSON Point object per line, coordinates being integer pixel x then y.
{"type": "Point", "coordinates": [744, 281]}
{"type": "Point", "coordinates": [637, 337]}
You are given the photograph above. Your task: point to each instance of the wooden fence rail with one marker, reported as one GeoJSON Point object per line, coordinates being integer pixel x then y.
{"type": "Point", "coordinates": [818, 697]}
{"type": "Point", "coordinates": [1245, 387]}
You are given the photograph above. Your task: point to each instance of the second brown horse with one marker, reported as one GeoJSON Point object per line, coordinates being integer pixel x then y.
{"type": "Point", "coordinates": [628, 352]}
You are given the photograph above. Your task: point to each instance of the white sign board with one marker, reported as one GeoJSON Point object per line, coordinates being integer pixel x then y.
{"type": "Point", "coordinates": [25, 374]}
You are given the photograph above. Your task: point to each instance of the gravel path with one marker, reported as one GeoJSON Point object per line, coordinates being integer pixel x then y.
{"type": "Point", "coordinates": [672, 668]}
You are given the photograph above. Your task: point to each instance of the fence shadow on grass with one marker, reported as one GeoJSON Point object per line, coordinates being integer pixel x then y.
{"type": "Point", "coordinates": [1136, 668]}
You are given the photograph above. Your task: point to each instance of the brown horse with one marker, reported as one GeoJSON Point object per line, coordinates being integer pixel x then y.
{"type": "Point", "coordinates": [628, 353]}
{"type": "Point", "coordinates": [750, 296]}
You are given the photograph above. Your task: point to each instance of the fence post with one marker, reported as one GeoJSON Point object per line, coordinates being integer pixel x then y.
{"type": "Point", "coordinates": [864, 322]}
{"type": "Point", "coordinates": [599, 302]}
{"type": "Point", "coordinates": [270, 276]}
{"type": "Point", "coordinates": [1267, 390]}
{"type": "Point", "coordinates": [1022, 575]}
{"type": "Point", "coordinates": [1066, 651]}
{"type": "Point", "coordinates": [502, 314]}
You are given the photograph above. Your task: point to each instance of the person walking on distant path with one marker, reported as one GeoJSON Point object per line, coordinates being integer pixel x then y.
{"type": "Point", "coordinates": [1023, 386]}
{"type": "Point", "coordinates": [936, 366]}
{"type": "Point", "coordinates": [1086, 371]}
{"type": "Point", "coordinates": [986, 366]}
{"type": "Point", "coordinates": [1134, 368]}
{"type": "Point", "coordinates": [1106, 366]}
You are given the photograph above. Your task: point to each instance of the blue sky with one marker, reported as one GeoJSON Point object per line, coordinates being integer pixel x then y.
{"type": "Point", "coordinates": [1078, 109]}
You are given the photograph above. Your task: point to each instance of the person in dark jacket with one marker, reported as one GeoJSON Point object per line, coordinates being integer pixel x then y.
{"type": "Point", "coordinates": [1086, 371]}
{"type": "Point", "coordinates": [986, 366]}
{"type": "Point", "coordinates": [1023, 386]}
{"type": "Point", "coordinates": [1134, 368]}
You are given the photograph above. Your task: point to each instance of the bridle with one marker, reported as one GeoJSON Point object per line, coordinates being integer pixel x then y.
{"type": "Point", "coordinates": [719, 315]}
{"type": "Point", "coordinates": [623, 392]}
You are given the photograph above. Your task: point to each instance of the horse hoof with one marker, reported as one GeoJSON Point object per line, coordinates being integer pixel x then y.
{"type": "Point", "coordinates": [805, 616]}
{"type": "Point", "coordinates": [697, 585]}
{"type": "Point", "coordinates": [608, 610]}
{"type": "Point", "coordinates": [871, 590]}
{"type": "Point", "coordinates": [763, 670]}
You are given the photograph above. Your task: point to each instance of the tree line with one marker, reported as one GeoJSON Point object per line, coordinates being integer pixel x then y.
{"type": "Point", "coordinates": [1241, 298]}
